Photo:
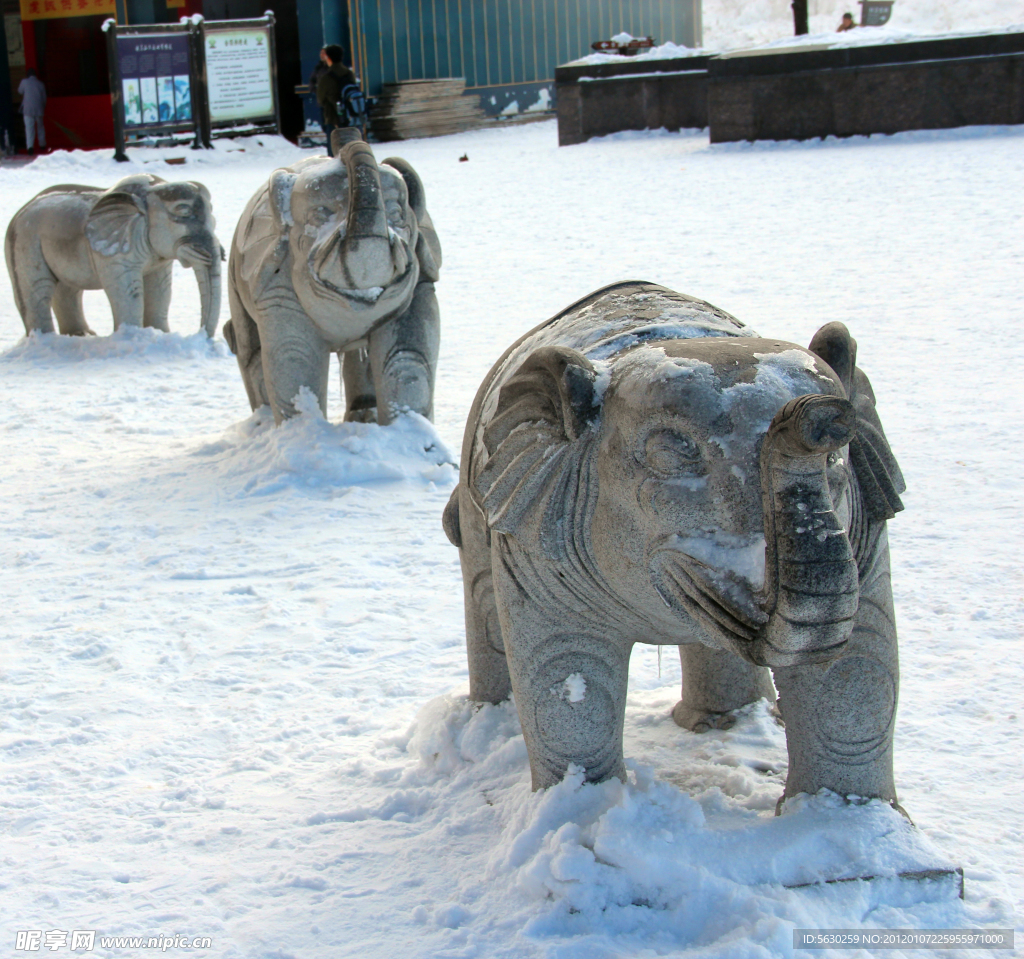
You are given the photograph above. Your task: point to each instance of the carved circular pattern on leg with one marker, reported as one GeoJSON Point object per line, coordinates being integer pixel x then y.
{"type": "Point", "coordinates": [855, 710]}
{"type": "Point", "coordinates": [576, 713]}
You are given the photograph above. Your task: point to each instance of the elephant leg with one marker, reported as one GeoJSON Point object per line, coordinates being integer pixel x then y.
{"type": "Point", "coordinates": [67, 307]}
{"type": "Point", "coordinates": [357, 386]}
{"type": "Point", "coordinates": [569, 685]}
{"type": "Point", "coordinates": [466, 527]}
{"type": "Point", "coordinates": [243, 336]}
{"type": "Point", "coordinates": [294, 356]}
{"type": "Point", "coordinates": [37, 286]}
{"type": "Point", "coordinates": [840, 715]}
{"type": "Point", "coordinates": [403, 358]}
{"type": "Point", "coordinates": [126, 294]}
{"type": "Point", "coordinates": [716, 682]}
{"type": "Point", "coordinates": [156, 287]}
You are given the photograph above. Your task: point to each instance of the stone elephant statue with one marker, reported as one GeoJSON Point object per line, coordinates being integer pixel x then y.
{"type": "Point", "coordinates": [643, 468]}
{"type": "Point", "coordinates": [337, 255]}
{"type": "Point", "coordinates": [123, 240]}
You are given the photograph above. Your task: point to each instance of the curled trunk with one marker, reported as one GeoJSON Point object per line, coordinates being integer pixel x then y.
{"type": "Point", "coordinates": [366, 250]}
{"type": "Point", "coordinates": [811, 590]}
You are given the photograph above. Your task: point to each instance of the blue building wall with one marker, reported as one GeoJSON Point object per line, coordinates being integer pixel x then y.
{"type": "Point", "coordinates": [499, 46]}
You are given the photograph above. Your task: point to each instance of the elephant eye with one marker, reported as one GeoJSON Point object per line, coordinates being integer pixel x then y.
{"type": "Point", "coordinates": [394, 210]}
{"type": "Point", "coordinates": [181, 209]}
{"type": "Point", "coordinates": [669, 453]}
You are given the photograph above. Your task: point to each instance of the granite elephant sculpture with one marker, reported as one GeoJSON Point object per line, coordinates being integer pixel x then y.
{"type": "Point", "coordinates": [643, 468]}
{"type": "Point", "coordinates": [337, 256]}
{"type": "Point", "coordinates": [123, 240]}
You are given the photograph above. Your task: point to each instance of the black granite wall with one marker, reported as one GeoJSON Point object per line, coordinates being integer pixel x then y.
{"type": "Point", "coordinates": [597, 99]}
{"type": "Point", "coordinates": [922, 85]}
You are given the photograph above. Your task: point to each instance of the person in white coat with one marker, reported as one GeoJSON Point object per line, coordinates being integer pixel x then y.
{"type": "Point", "coordinates": [33, 105]}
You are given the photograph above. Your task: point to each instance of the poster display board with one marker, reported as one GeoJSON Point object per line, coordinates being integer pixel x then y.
{"type": "Point", "coordinates": [191, 77]}
{"type": "Point", "coordinates": [239, 72]}
{"type": "Point", "coordinates": [156, 82]}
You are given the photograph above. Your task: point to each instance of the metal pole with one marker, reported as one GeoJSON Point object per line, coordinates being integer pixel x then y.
{"type": "Point", "coordinates": [201, 95]}
{"type": "Point", "coordinates": [116, 91]}
{"type": "Point", "coordinates": [800, 26]}
{"type": "Point", "coordinates": [273, 69]}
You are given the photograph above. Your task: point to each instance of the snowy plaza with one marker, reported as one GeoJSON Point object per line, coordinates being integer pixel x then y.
{"type": "Point", "coordinates": [232, 666]}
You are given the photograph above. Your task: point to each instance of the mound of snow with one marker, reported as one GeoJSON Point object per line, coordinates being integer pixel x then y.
{"type": "Point", "coordinates": [129, 342]}
{"type": "Point", "coordinates": [309, 453]}
{"type": "Point", "coordinates": [73, 165]}
{"type": "Point", "coordinates": [664, 51]}
{"type": "Point", "coordinates": [643, 859]}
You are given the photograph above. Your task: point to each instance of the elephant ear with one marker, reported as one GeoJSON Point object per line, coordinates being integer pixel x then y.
{"type": "Point", "coordinates": [872, 459]}
{"type": "Point", "coordinates": [263, 246]}
{"type": "Point", "coordinates": [428, 247]}
{"type": "Point", "coordinates": [542, 409]}
{"type": "Point", "coordinates": [116, 223]}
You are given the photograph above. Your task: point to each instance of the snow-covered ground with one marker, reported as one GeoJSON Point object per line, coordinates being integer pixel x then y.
{"type": "Point", "coordinates": [729, 24]}
{"type": "Point", "coordinates": [232, 678]}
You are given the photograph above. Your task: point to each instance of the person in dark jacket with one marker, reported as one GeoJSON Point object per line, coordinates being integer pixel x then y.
{"type": "Point", "coordinates": [329, 87]}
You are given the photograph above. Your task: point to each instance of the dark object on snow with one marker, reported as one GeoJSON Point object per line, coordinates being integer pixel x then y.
{"type": "Point", "coordinates": [875, 13]}
{"type": "Point", "coordinates": [464, 158]}
{"type": "Point", "coordinates": [628, 49]}
{"type": "Point", "coordinates": [800, 17]}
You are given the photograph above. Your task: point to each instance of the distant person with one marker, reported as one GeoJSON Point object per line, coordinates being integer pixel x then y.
{"type": "Point", "coordinates": [33, 105]}
{"type": "Point", "coordinates": [314, 78]}
{"type": "Point", "coordinates": [847, 23]}
{"type": "Point", "coordinates": [329, 86]}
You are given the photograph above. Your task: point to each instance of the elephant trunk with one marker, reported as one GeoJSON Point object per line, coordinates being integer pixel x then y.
{"type": "Point", "coordinates": [811, 589]}
{"type": "Point", "coordinates": [366, 250]}
{"type": "Point", "coordinates": [204, 255]}
{"type": "Point", "coordinates": [208, 278]}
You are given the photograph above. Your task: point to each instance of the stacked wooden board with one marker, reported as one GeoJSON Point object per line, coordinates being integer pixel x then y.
{"type": "Point", "coordinates": [424, 108]}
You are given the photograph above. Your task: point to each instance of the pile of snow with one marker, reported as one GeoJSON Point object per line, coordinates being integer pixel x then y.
{"type": "Point", "coordinates": [875, 36]}
{"type": "Point", "coordinates": [256, 458]}
{"type": "Point", "coordinates": [664, 51]}
{"type": "Point", "coordinates": [67, 165]}
{"type": "Point", "coordinates": [46, 350]}
{"type": "Point", "coordinates": [641, 862]}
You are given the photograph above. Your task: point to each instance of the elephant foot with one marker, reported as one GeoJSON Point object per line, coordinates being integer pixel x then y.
{"type": "Point", "coordinates": [704, 720]}
{"type": "Point", "coordinates": [406, 385]}
{"type": "Point", "coordinates": [701, 720]}
{"type": "Point", "coordinates": [365, 415]}
{"type": "Point", "coordinates": [853, 801]}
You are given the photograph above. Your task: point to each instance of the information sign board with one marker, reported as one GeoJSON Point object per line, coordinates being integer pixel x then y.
{"type": "Point", "coordinates": [156, 86]}
{"type": "Point", "coordinates": [191, 76]}
{"type": "Point", "coordinates": [239, 73]}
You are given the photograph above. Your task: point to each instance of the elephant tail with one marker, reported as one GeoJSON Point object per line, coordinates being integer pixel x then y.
{"type": "Point", "coordinates": [9, 256]}
{"type": "Point", "coordinates": [450, 519]}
